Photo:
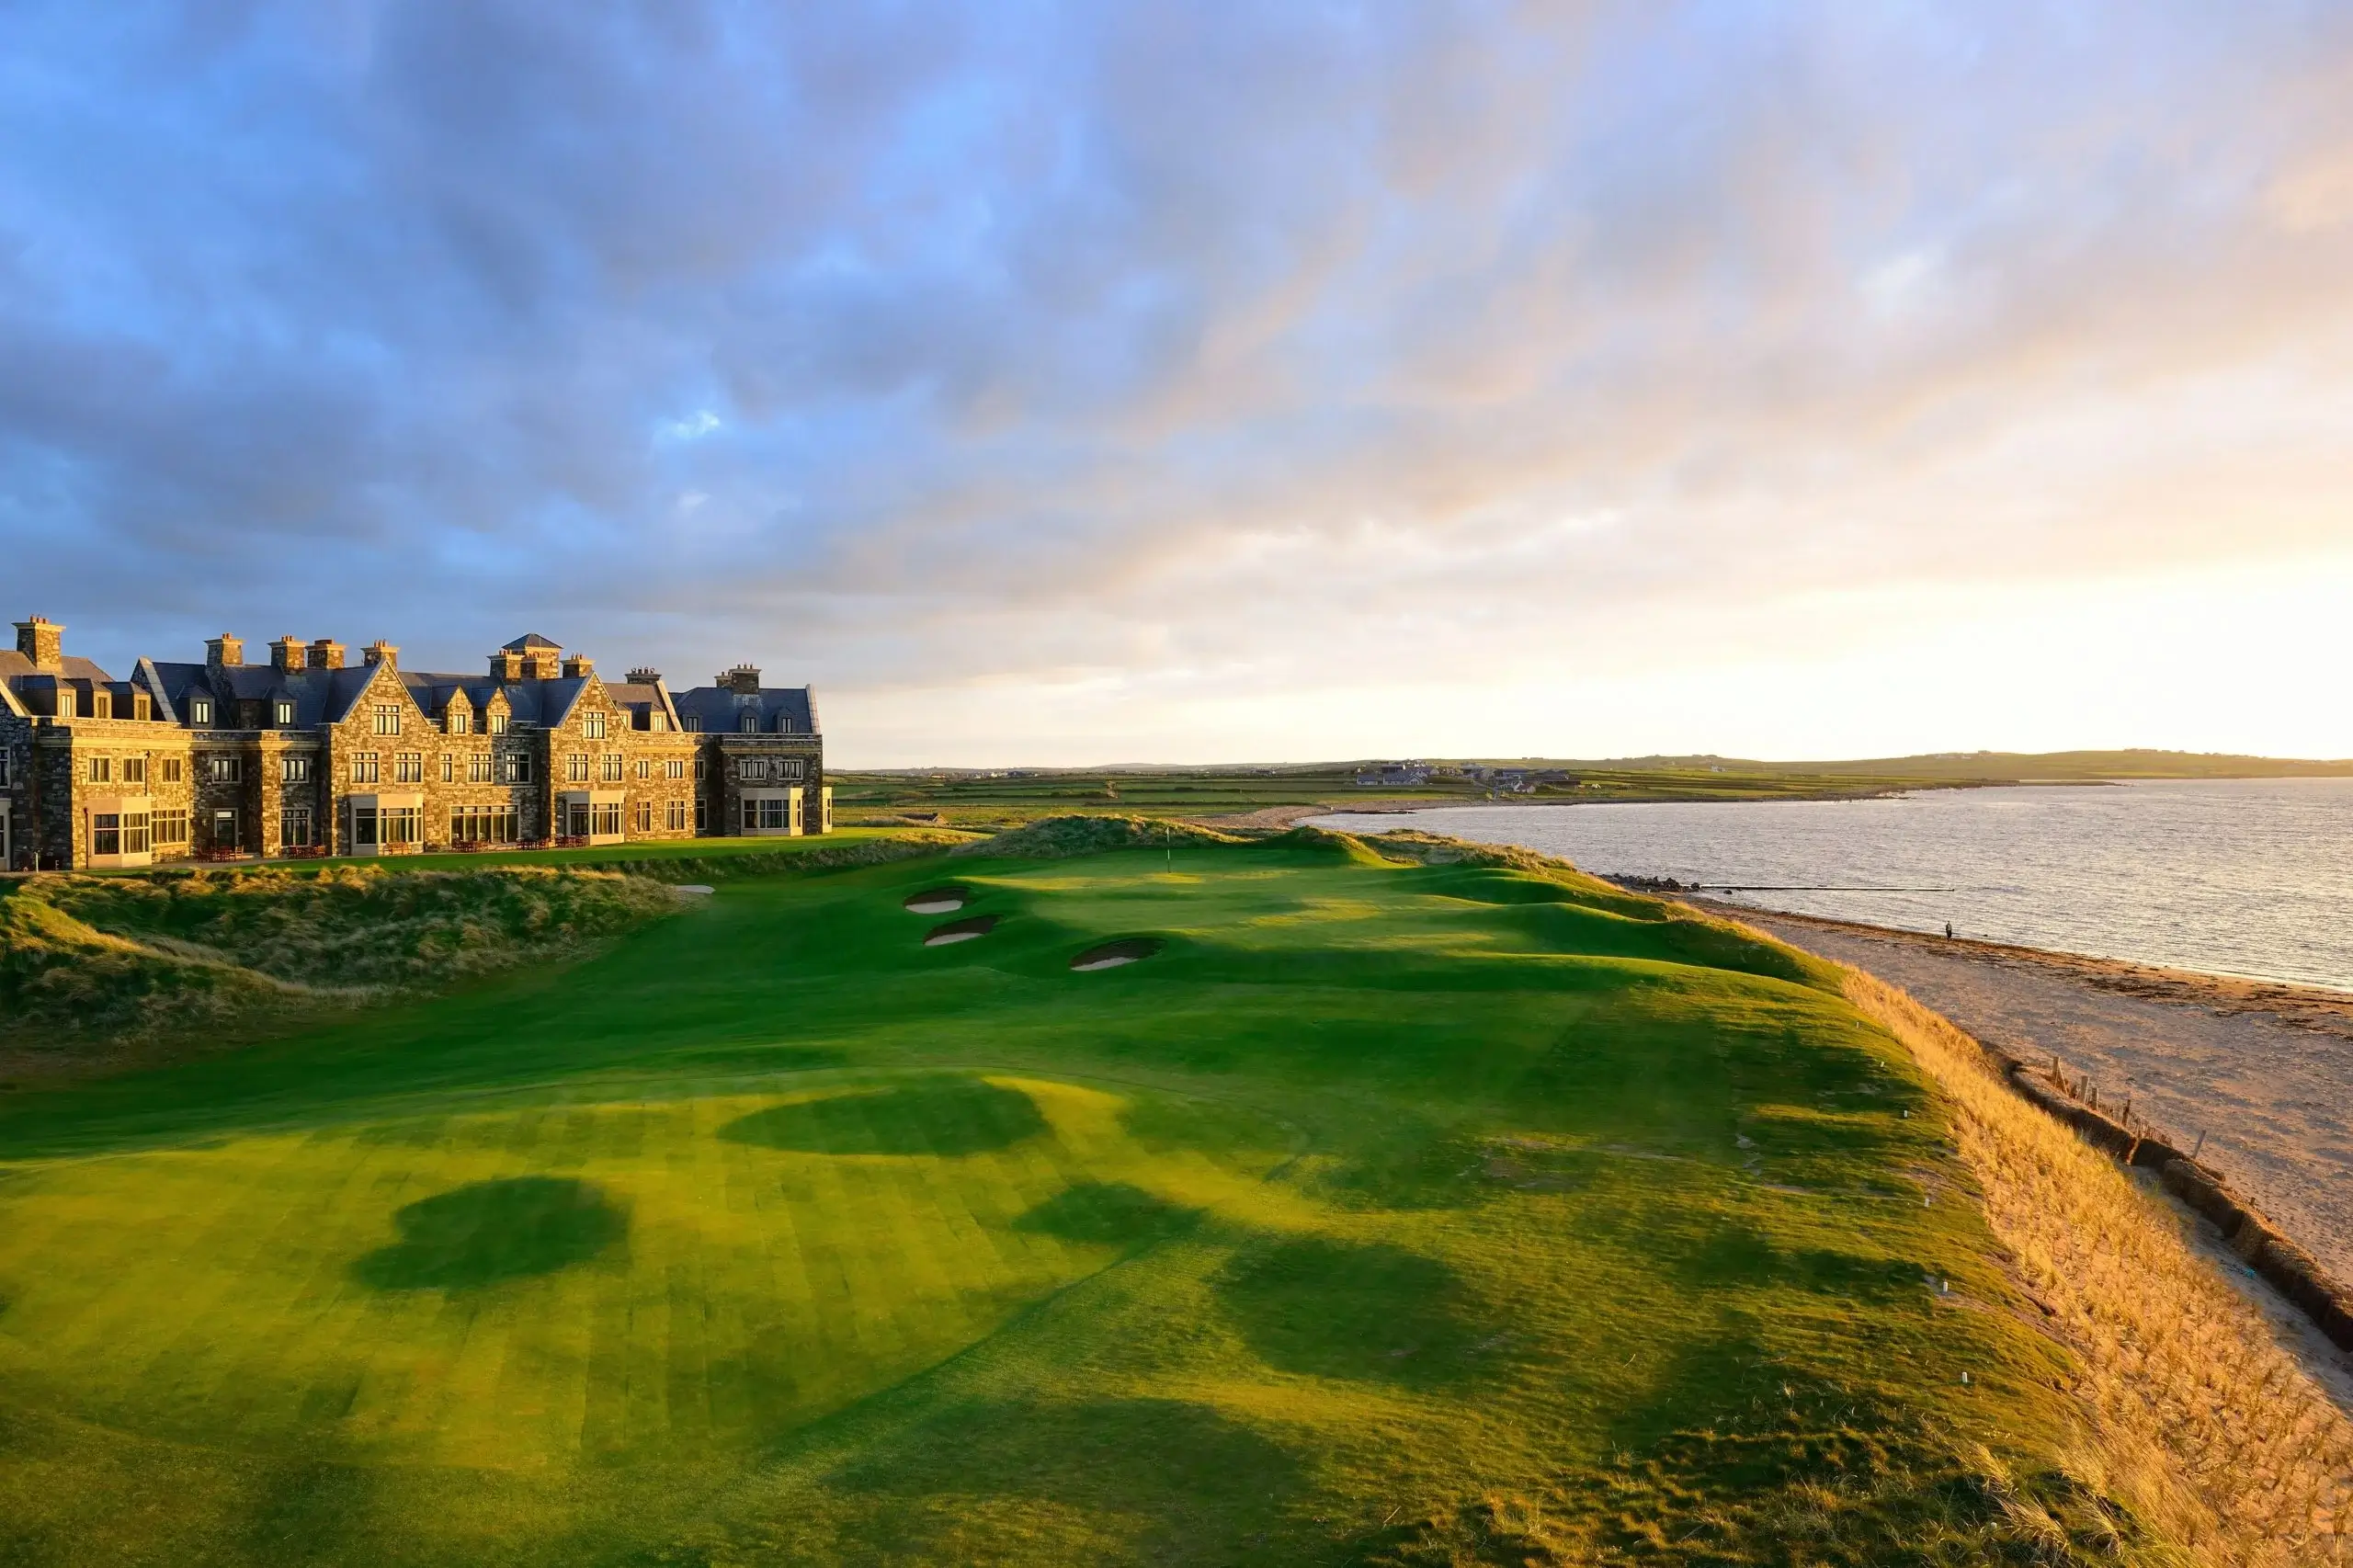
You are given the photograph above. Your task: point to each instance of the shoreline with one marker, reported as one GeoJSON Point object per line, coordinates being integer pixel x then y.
{"type": "Point", "coordinates": [2251, 1082]}
{"type": "Point", "coordinates": [2315, 1007]}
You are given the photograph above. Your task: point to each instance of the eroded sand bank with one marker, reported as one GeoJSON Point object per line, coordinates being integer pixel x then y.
{"type": "Point", "coordinates": [2265, 1071]}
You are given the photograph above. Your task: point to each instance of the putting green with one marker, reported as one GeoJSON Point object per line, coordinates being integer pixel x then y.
{"type": "Point", "coordinates": [775, 1235]}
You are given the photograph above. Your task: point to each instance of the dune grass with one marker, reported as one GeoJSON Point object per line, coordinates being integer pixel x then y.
{"type": "Point", "coordinates": [1385, 1213]}
{"type": "Point", "coordinates": [2220, 1432]}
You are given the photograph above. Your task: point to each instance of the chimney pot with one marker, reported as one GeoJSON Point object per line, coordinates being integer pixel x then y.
{"type": "Point", "coordinates": [381, 652]}
{"type": "Point", "coordinates": [578, 667]}
{"type": "Point", "coordinates": [741, 679]}
{"type": "Point", "coordinates": [645, 676]}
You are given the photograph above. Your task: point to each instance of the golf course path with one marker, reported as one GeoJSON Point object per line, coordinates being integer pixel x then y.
{"type": "Point", "coordinates": [2271, 1089]}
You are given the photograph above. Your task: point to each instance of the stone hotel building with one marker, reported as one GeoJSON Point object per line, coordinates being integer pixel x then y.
{"type": "Point", "coordinates": [311, 754]}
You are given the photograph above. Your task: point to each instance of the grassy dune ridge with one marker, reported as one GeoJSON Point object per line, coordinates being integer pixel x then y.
{"type": "Point", "coordinates": [1410, 1204]}
{"type": "Point", "coordinates": [2216, 1429]}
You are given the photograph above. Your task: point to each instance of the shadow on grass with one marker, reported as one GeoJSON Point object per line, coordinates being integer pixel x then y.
{"type": "Point", "coordinates": [1330, 1310]}
{"type": "Point", "coordinates": [1738, 1254]}
{"type": "Point", "coordinates": [1108, 1214]}
{"type": "Point", "coordinates": [1177, 1463]}
{"type": "Point", "coordinates": [933, 1115]}
{"type": "Point", "coordinates": [491, 1231]}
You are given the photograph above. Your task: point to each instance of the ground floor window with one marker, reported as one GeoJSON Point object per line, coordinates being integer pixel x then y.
{"type": "Point", "coordinates": [702, 816]}
{"type": "Point", "coordinates": [402, 824]}
{"type": "Point", "coordinates": [767, 814]}
{"type": "Point", "coordinates": [105, 833]}
{"type": "Point", "coordinates": [674, 816]}
{"type": "Point", "coordinates": [226, 833]}
{"type": "Point", "coordinates": [294, 827]}
{"type": "Point", "coordinates": [363, 828]}
{"type": "Point", "coordinates": [609, 819]}
{"type": "Point", "coordinates": [168, 827]}
{"type": "Point", "coordinates": [646, 816]}
{"type": "Point", "coordinates": [484, 824]}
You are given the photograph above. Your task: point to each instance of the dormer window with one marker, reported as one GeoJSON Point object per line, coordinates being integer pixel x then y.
{"type": "Point", "coordinates": [498, 724]}
{"type": "Point", "coordinates": [751, 724]}
{"type": "Point", "coordinates": [102, 705]}
{"type": "Point", "coordinates": [694, 723]}
{"type": "Point", "coordinates": [461, 723]}
{"type": "Point", "coordinates": [285, 714]}
{"type": "Point", "coordinates": [199, 711]}
{"type": "Point", "coordinates": [656, 722]}
{"type": "Point", "coordinates": [139, 708]}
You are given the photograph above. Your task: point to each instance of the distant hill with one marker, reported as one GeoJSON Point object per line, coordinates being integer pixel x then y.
{"type": "Point", "coordinates": [2136, 763]}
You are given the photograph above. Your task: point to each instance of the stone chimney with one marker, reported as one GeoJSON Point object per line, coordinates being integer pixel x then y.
{"type": "Point", "coordinates": [578, 667]}
{"type": "Point", "coordinates": [539, 664]}
{"type": "Point", "coordinates": [43, 641]}
{"type": "Point", "coordinates": [506, 665]}
{"type": "Point", "coordinates": [326, 653]}
{"type": "Point", "coordinates": [224, 652]}
{"type": "Point", "coordinates": [643, 676]}
{"type": "Point", "coordinates": [743, 677]}
{"type": "Point", "coordinates": [381, 653]}
{"type": "Point", "coordinates": [286, 655]}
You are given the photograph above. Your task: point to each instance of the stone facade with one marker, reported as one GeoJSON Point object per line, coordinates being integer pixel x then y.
{"type": "Point", "coordinates": [313, 755]}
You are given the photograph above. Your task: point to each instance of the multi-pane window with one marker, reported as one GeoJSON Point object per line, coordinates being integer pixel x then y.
{"type": "Point", "coordinates": [172, 771]}
{"type": "Point", "coordinates": [674, 815]}
{"type": "Point", "coordinates": [101, 771]}
{"type": "Point", "coordinates": [388, 718]}
{"type": "Point", "coordinates": [787, 767]}
{"type": "Point", "coordinates": [478, 768]}
{"type": "Point", "coordinates": [402, 824]}
{"type": "Point", "coordinates": [293, 770]}
{"type": "Point", "coordinates": [612, 769]}
{"type": "Point", "coordinates": [199, 711]}
{"type": "Point", "coordinates": [514, 771]}
{"type": "Point", "coordinates": [606, 815]}
{"type": "Point", "coordinates": [169, 827]}
{"type": "Point", "coordinates": [118, 833]}
{"type": "Point", "coordinates": [675, 769]}
{"type": "Point", "coordinates": [749, 724]}
{"type": "Point", "coordinates": [449, 766]}
{"type": "Point", "coordinates": [753, 768]}
{"type": "Point", "coordinates": [767, 814]}
{"type": "Point", "coordinates": [483, 824]}
{"type": "Point", "coordinates": [694, 723]}
{"type": "Point", "coordinates": [134, 771]}
{"type": "Point", "coordinates": [702, 768]}
{"type": "Point", "coordinates": [646, 816]}
{"type": "Point", "coordinates": [644, 768]}
{"type": "Point", "coordinates": [294, 828]}
{"type": "Point", "coordinates": [592, 725]}
{"type": "Point", "coordinates": [461, 722]}
{"type": "Point", "coordinates": [140, 709]}
{"type": "Point", "coordinates": [226, 833]}
{"type": "Point", "coordinates": [575, 768]}
{"type": "Point", "coordinates": [225, 768]}
{"type": "Point", "coordinates": [285, 713]}
{"type": "Point", "coordinates": [365, 768]}
{"type": "Point", "coordinates": [408, 767]}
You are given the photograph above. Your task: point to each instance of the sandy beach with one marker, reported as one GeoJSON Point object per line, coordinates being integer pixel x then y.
{"type": "Point", "coordinates": [2264, 1071]}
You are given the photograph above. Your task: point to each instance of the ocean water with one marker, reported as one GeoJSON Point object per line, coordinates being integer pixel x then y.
{"type": "Point", "coordinates": [2239, 877]}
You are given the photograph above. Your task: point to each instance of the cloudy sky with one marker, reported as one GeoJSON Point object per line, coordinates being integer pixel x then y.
{"type": "Point", "coordinates": [1069, 383]}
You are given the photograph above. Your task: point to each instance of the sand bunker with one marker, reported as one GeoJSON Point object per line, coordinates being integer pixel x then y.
{"type": "Point", "coordinates": [960, 930]}
{"type": "Point", "coordinates": [1112, 955]}
{"type": "Point", "coordinates": [937, 901]}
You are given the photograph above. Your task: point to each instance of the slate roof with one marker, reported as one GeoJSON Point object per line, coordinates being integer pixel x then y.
{"type": "Point", "coordinates": [721, 708]}
{"type": "Point", "coordinates": [528, 641]}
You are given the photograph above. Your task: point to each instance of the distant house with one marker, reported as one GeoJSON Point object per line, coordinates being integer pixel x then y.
{"type": "Point", "coordinates": [1394, 776]}
{"type": "Point", "coordinates": [309, 755]}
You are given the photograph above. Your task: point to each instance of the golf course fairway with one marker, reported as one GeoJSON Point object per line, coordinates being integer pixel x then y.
{"type": "Point", "coordinates": [1374, 1212]}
